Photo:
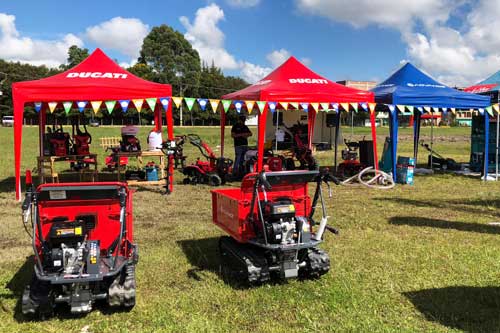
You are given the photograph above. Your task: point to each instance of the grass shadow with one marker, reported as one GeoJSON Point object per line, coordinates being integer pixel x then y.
{"type": "Point", "coordinates": [202, 254]}
{"type": "Point", "coordinates": [472, 309]}
{"type": "Point", "coordinates": [16, 285]}
{"type": "Point", "coordinates": [415, 221]}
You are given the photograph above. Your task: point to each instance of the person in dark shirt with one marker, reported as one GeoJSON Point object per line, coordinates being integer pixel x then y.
{"type": "Point", "coordinates": [240, 133]}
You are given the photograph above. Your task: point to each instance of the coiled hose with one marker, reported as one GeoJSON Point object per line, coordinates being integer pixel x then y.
{"type": "Point", "coordinates": [371, 178]}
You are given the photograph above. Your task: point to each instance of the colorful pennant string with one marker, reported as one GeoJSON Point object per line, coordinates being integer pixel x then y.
{"type": "Point", "coordinates": [250, 105]}
{"type": "Point", "coordinates": [214, 103]}
{"type": "Point", "coordinates": [401, 108]}
{"type": "Point", "coordinates": [110, 106]}
{"type": "Point", "coordinates": [261, 105]}
{"type": "Point", "coordinates": [138, 103]}
{"type": "Point", "coordinates": [364, 106]}
{"type": "Point", "coordinates": [272, 106]}
{"type": "Point", "coordinates": [294, 105]}
{"type": "Point", "coordinates": [202, 102]}
{"type": "Point", "coordinates": [325, 106]}
{"type": "Point", "coordinates": [226, 103]}
{"type": "Point", "coordinates": [304, 106]}
{"type": "Point", "coordinates": [124, 104]}
{"type": "Point", "coordinates": [52, 106]}
{"type": "Point", "coordinates": [96, 105]}
{"type": "Point", "coordinates": [81, 105]}
{"type": "Point", "coordinates": [315, 107]}
{"type": "Point", "coordinates": [238, 105]}
{"type": "Point", "coordinates": [355, 106]}
{"type": "Point", "coordinates": [284, 105]}
{"type": "Point", "coordinates": [345, 106]}
{"type": "Point", "coordinates": [151, 103]}
{"type": "Point", "coordinates": [38, 106]}
{"type": "Point", "coordinates": [177, 101]}
{"type": "Point", "coordinates": [67, 106]}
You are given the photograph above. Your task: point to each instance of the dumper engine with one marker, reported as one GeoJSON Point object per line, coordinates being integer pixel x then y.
{"type": "Point", "coordinates": [68, 251]}
{"type": "Point", "coordinates": [281, 224]}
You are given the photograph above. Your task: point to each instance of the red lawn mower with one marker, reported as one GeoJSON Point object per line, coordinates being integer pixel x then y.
{"type": "Point", "coordinates": [214, 171]}
{"type": "Point", "coordinates": [350, 165]}
{"type": "Point", "coordinates": [270, 224]}
{"type": "Point", "coordinates": [82, 238]}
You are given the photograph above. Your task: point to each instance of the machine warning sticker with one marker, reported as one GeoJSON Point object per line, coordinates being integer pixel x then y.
{"type": "Point", "coordinates": [57, 195]}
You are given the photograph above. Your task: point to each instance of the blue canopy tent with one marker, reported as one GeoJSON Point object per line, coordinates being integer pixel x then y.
{"type": "Point", "coordinates": [411, 87]}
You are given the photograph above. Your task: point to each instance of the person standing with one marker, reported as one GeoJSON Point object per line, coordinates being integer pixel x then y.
{"type": "Point", "coordinates": [240, 133]}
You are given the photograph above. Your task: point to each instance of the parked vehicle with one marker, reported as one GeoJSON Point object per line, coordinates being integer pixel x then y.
{"type": "Point", "coordinates": [8, 121]}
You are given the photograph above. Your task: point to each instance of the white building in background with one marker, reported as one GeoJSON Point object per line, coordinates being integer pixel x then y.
{"type": "Point", "coordinates": [252, 120]}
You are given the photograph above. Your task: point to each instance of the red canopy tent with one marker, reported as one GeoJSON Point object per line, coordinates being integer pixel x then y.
{"type": "Point", "coordinates": [97, 78]}
{"type": "Point", "coordinates": [294, 82]}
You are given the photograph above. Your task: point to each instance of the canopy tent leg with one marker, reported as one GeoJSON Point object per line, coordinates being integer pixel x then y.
{"type": "Point", "coordinates": [170, 134]}
{"type": "Point", "coordinates": [222, 132]}
{"type": "Point", "coordinates": [276, 130]}
{"type": "Point", "coordinates": [42, 121]}
{"type": "Point", "coordinates": [432, 139]}
{"type": "Point", "coordinates": [374, 139]}
{"type": "Point", "coordinates": [261, 138]}
{"type": "Point", "coordinates": [18, 134]}
{"type": "Point", "coordinates": [486, 144]}
{"type": "Point", "coordinates": [393, 129]}
{"type": "Point", "coordinates": [416, 134]}
{"type": "Point", "coordinates": [311, 118]}
{"type": "Point", "coordinates": [337, 130]}
{"type": "Point", "coordinates": [496, 150]}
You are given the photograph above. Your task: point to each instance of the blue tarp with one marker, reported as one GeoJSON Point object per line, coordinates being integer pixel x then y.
{"type": "Point", "coordinates": [410, 86]}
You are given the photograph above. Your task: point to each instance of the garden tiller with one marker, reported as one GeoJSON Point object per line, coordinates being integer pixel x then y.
{"type": "Point", "coordinates": [214, 171]}
{"type": "Point", "coordinates": [270, 224]}
{"type": "Point", "coordinates": [82, 238]}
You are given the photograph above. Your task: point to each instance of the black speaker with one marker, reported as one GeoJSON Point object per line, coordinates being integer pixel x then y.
{"type": "Point", "coordinates": [331, 120]}
{"type": "Point", "coordinates": [366, 153]}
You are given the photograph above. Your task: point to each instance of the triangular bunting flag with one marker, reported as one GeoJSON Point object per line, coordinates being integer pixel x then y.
{"type": "Point", "coordinates": [96, 105]}
{"type": "Point", "coordinates": [391, 107]}
{"type": "Point", "coordinates": [345, 106]}
{"type": "Point", "coordinates": [372, 107]}
{"type": "Point", "coordinates": [261, 105]}
{"type": "Point", "coordinates": [164, 101]}
{"type": "Point", "coordinates": [304, 106]}
{"type": "Point", "coordinates": [110, 105]}
{"type": "Point", "coordinates": [401, 108]}
{"type": "Point", "coordinates": [453, 110]}
{"type": "Point", "coordinates": [214, 103]}
{"type": "Point", "coordinates": [38, 106]}
{"type": "Point", "coordinates": [420, 109]}
{"type": "Point", "coordinates": [138, 104]}
{"type": "Point", "coordinates": [250, 105]}
{"type": "Point", "coordinates": [294, 105]}
{"type": "Point", "coordinates": [226, 103]}
{"type": "Point", "coordinates": [445, 110]}
{"type": "Point", "coordinates": [189, 102]}
{"type": "Point", "coordinates": [81, 105]}
{"type": "Point", "coordinates": [52, 106]}
{"type": "Point", "coordinates": [325, 106]}
{"type": "Point", "coordinates": [124, 104]}
{"type": "Point", "coordinates": [355, 106]}
{"type": "Point", "coordinates": [151, 103]}
{"type": "Point", "coordinates": [67, 106]}
{"type": "Point", "coordinates": [410, 108]}
{"type": "Point", "coordinates": [427, 108]}
{"type": "Point", "coordinates": [315, 107]}
{"type": "Point", "coordinates": [335, 107]}
{"type": "Point", "coordinates": [496, 108]}
{"type": "Point", "coordinates": [272, 106]}
{"type": "Point", "coordinates": [238, 105]}
{"type": "Point", "coordinates": [489, 109]}
{"type": "Point", "coordinates": [284, 105]}
{"type": "Point", "coordinates": [481, 111]}
{"type": "Point", "coordinates": [202, 102]}
{"type": "Point", "coordinates": [177, 101]}
{"type": "Point", "coordinates": [364, 106]}
{"type": "Point", "coordinates": [435, 110]}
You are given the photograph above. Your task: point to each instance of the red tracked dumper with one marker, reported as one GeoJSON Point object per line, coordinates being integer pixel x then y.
{"type": "Point", "coordinates": [83, 246]}
{"type": "Point", "coordinates": [270, 224]}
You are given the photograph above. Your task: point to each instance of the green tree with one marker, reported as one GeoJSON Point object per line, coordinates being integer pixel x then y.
{"type": "Point", "coordinates": [75, 56]}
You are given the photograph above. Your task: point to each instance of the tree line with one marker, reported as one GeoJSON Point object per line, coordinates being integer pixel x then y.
{"type": "Point", "coordinates": [165, 57]}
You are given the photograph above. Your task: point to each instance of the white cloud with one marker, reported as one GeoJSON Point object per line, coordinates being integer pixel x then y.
{"type": "Point", "coordinates": [459, 55]}
{"type": "Point", "coordinates": [277, 57]}
{"type": "Point", "coordinates": [243, 3]}
{"type": "Point", "coordinates": [253, 73]}
{"type": "Point", "coordinates": [207, 38]}
{"type": "Point", "coordinates": [121, 34]}
{"type": "Point", "coordinates": [15, 47]}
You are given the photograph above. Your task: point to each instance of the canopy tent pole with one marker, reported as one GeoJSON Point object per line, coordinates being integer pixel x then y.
{"type": "Point", "coordinates": [416, 133]}
{"type": "Point", "coordinates": [496, 150]}
{"type": "Point", "coordinates": [374, 138]}
{"type": "Point", "coordinates": [261, 138]}
{"type": "Point", "coordinates": [18, 102]}
{"type": "Point", "coordinates": [337, 129]}
{"type": "Point", "coordinates": [432, 139]}
{"type": "Point", "coordinates": [170, 133]}
{"type": "Point", "coordinates": [486, 144]}
{"type": "Point", "coordinates": [42, 121]}
{"type": "Point", "coordinates": [158, 116]}
{"type": "Point", "coordinates": [311, 118]}
{"type": "Point", "coordinates": [276, 130]}
{"type": "Point", "coordinates": [222, 132]}
{"type": "Point", "coordinates": [393, 129]}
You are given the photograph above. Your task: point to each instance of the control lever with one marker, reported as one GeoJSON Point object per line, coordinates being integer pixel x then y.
{"type": "Point", "coordinates": [263, 180]}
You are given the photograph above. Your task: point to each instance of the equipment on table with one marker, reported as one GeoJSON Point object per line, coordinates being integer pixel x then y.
{"type": "Point", "coordinates": [299, 150]}
{"type": "Point", "coordinates": [81, 140]}
{"type": "Point", "coordinates": [154, 140]}
{"type": "Point", "coordinates": [214, 171]}
{"type": "Point", "coordinates": [57, 142]}
{"type": "Point", "coordinates": [270, 222]}
{"type": "Point", "coordinates": [273, 162]}
{"type": "Point", "coordinates": [130, 142]}
{"type": "Point", "coordinates": [113, 162]}
{"type": "Point", "coordinates": [438, 161]}
{"type": "Point", "coordinates": [82, 238]}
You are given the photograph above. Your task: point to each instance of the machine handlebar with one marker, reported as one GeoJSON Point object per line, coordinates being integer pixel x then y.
{"type": "Point", "coordinates": [263, 180]}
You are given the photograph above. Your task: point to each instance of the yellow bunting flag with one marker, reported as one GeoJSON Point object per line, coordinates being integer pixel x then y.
{"type": "Point", "coordinates": [214, 103]}
{"type": "Point", "coordinates": [177, 101]}
{"type": "Point", "coordinates": [355, 106]}
{"type": "Point", "coordinates": [96, 105]}
{"type": "Point", "coordinates": [52, 106]}
{"type": "Point", "coordinates": [372, 106]}
{"type": "Point", "coordinates": [315, 106]}
{"type": "Point", "coordinates": [427, 108]}
{"type": "Point", "coordinates": [496, 108]}
{"type": "Point", "coordinates": [249, 105]}
{"type": "Point", "coordinates": [284, 105]}
{"type": "Point", "coordinates": [401, 108]}
{"type": "Point", "coordinates": [295, 105]}
{"type": "Point", "coordinates": [453, 110]}
{"type": "Point", "coordinates": [345, 106]}
{"type": "Point", "coordinates": [138, 104]}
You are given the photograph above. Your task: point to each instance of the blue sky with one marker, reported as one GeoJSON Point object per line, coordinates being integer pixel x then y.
{"type": "Point", "coordinates": [454, 41]}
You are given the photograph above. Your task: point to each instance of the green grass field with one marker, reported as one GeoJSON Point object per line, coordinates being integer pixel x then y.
{"type": "Point", "coordinates": [419, 258]}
